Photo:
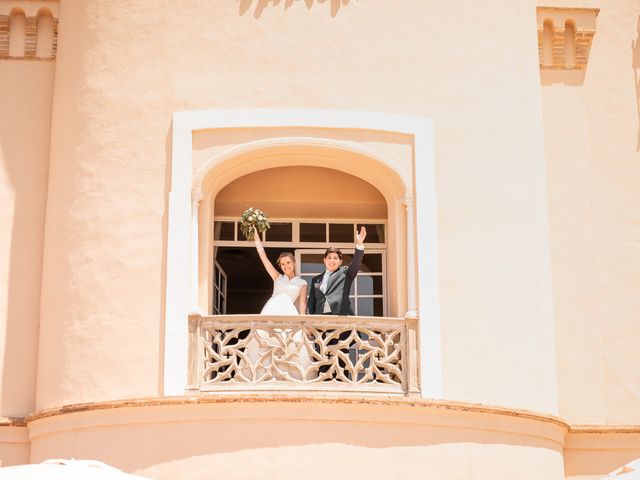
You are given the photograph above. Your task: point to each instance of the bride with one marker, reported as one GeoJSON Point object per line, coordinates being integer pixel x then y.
{"type": "Point", "coordinates": [281, 351]}
{"type": "Point", "coordinates": [287, 288]}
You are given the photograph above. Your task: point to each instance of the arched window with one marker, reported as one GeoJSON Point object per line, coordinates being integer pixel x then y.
{"type": "Point", "coordinates": [17, 27]}
{"type": "Point", "coordinates": [44, 39]}
{"type": "Point", "coordinates": [304, 221]}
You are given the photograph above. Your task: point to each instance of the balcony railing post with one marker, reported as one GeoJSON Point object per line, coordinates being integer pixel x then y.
{"type": "Point", "coordinates": [195, 353]}
{"type": "Point", "coordinates": [411, 344]}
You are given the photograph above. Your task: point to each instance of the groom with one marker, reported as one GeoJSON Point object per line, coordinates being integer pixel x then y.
{"type": "Point", "coordinates": [329, 293]}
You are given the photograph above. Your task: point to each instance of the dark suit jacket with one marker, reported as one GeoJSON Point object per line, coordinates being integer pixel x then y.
{"type": "Point", "coordinates": [337, 294]}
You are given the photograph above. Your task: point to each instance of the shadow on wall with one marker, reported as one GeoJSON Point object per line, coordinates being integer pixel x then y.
{"type": "Point", "coordinates": [260, 5]}
{"type": "Point", "coordinates": [635, 65]}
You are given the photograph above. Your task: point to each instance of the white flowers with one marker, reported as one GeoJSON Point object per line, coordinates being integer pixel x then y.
{"type": "Point", "coordinates": [253, 217]}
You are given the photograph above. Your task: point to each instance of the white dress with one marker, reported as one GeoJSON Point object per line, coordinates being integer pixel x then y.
{"type": "Point", "coordinates": [285, 294]}
{"type": "Point", "coordinates": [278, 354]}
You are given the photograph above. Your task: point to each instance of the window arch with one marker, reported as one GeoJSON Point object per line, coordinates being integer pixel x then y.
{"type": "Point", "coordinates": [310, 208]}
{"type": "Point", "coordinates": [548, 32]}
{"type": "Point", "coordinates": [44, 34]}
{"type": "Point", "coordinates": [290, 153]}
{"type": "Point", "coordinates": [570, 44]}
{"type": "Point", "coordinates": [17, 32]}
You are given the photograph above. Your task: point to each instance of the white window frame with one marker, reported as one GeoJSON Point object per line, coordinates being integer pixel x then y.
{"type": "Point", "coordinates": [295, 233]}
{"type": "Point", "coordinates": [219, 307]}
{"type": "Point", "coordinates": [182, 263]}
{"type": "Point", "coordinates": [300, 247]}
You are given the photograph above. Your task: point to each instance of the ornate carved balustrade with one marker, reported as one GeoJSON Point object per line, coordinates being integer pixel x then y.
{"type": "Point", "coordinates": [308, 353]}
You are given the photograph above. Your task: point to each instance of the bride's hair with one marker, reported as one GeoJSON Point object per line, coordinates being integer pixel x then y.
{"type": "Point", "coordinates": [286, 254]}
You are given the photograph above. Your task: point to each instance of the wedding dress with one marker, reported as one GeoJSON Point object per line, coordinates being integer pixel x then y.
{"type": "Point", "coordinates": [279, 353]}
{"type": "Point", "coordinates": [285, 293]}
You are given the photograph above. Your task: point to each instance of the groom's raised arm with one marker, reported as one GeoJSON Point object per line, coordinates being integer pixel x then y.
{"type": "Point", "coordinates": [356, 263]}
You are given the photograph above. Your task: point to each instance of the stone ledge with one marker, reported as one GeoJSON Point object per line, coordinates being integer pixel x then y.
{"type": "Point", "coordinates": [12, 422]}
{"type": "Point", "coordinates": [289, 398]}
{"type": "Point", "coordinates": [605, 429]}
{"type": "Point", "coordinates": [272, 398]}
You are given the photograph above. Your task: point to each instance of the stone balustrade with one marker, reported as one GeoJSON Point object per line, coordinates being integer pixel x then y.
{"type": "Point", "coordinates": [353, 355]}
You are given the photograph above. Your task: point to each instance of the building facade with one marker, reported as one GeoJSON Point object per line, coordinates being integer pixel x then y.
{"type": "Point", "coordinates": [492, 151]}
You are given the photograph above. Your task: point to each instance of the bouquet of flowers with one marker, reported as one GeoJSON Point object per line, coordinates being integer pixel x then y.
{"type": "Point", "coordinates": [252, 217]}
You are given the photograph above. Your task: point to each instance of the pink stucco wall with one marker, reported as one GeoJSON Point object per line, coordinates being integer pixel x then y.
{"type": "Point", "coordinates": [536, 188]}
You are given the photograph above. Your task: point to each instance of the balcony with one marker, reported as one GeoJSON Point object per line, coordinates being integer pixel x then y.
{"type": "Point", "coordinates": [324, 354]}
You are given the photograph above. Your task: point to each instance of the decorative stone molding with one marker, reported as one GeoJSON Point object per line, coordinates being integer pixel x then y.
{"type": "Point", "coordinates": [32, 27]}
{"type": "Point", "coordinates": [196, 196]}
{"type": "Point", "coordinates": [325, 353]}
{"type": "Point", "coordinates": [4, 36]}
{"type": "Point", "coordinates": [565, 36]}
{"type": "Point", "coordinates": [409, 199]}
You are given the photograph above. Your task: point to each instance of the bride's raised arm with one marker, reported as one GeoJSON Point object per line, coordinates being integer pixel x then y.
{"type": "Point", "coordinates": [271, 270]}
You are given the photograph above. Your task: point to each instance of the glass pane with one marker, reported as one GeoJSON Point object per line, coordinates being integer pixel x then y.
{"type": "Point", "coordinates": [311, 263]}
{"type": "Point", "coordinates": [375, 232]}
{"type": "Point", "coordinates": [370, 307]}
{"type": "Point", "coordinates": [378, 307]}
{"type": "Point", "coordinates": [279, 232]}
{"type": "Point", "coordinates": [372, 262]}
{"type": "Point", "coordinates": [341, 233]}
{"type": "Point", "coordinates": [353, 289]}
{"type": "Point", "coordinates": [369, 285]}
{"type": "Point", "coordinates": [313, 232]}
{"type": "Point", "coordinates": [223, 230]}
{"type": "Point", "coordinates": [365, 307]}
{"type": "Point", "coordinates": [346, 259]}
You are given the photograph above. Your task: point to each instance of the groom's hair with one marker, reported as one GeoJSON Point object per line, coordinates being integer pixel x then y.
{"type": "Point", "coordinates": [333, 250]}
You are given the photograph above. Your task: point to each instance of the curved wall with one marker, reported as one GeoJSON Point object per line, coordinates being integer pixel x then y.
{"type": "Point", "coordinates": [592, 146]}
{"type": "Point", "coordinates": [297, 437]}
{"type": "Point", "coordinates": [124, 68]}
